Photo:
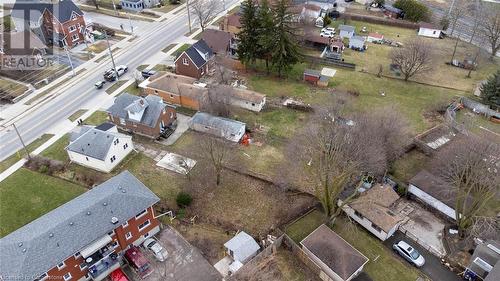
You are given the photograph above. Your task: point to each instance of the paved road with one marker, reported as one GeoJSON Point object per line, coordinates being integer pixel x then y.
{"type": "Point", "coordinates": [433, 267]}
{"type": "Point", "coordinates": [151, 39]}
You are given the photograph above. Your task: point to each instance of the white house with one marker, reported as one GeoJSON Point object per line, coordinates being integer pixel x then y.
{"type": "Point", "coordinates": [434, 192]}
{"type": "Point", "coordinates": [228, 129]}
{"type": "Point", "coordinates": [373, 210]}
{"type": "Point", "coordinates": [338, 260]}
{"type": "Point", "coordinates": [357, 42]}
{"type": "Point", "coordinates": [374, 37]}
{"type": "Point", "coordinates": [429, 30]}
{"type": "Point", "coordinates": [346, 31]}
{"type": "Point", "coordinates": [248, 99]}
{"type": "Point", "coordinates": [100, 148]}
{"type": "Point", "coordinates": [138, 5]}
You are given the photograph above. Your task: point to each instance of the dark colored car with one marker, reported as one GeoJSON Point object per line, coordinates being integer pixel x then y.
{"type": "Point", "coordinates": [138, 262]}
{"type": "Point", "coordinates": [148, 73]}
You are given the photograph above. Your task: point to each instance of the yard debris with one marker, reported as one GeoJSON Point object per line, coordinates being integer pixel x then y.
{"type": "Point", "coordinates": [176, 163]}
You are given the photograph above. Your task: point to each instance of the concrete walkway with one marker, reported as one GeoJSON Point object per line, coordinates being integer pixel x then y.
{"type": "Point", "coordinates": [182, 126]}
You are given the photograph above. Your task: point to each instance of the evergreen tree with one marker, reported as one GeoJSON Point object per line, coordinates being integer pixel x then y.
{"type": "Point", "coordinates": [490, 91]}
{"type": "Point", "coordinates": [286, 50]}
{"type": "Point", "coordinates": [414, 10]}
{"type": "Point", "coordinates": [266, 40]}
{"type": "Point", "coordinates": [248, 36]}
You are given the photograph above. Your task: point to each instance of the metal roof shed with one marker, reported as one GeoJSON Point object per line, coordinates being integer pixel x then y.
{"type": "Point", "coordinates": [242, 247]}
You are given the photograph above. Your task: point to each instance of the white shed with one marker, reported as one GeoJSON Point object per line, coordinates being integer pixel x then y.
{"type": "Point", "coordinates": [429, 30]}
{"type": "Point", "coordinates": [242, 247]}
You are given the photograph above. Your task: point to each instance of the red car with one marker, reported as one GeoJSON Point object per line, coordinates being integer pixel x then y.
{"type": "Point", "coordinates": [138, 262]}
{"type": "Point", "coordinates": [118, 275]}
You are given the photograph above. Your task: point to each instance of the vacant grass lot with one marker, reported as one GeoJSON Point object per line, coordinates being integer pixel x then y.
{"type": "Point", "coordinates": [299, 229]}
{"type": "Point", "coordinates": [12, 88]}
{"type": "Point", "coordinates": [5, 164]}
{"type": "Point", "coordinates": [77, 115]}
{"type": "Point", "coordinates": [96, 118]}
{"type": "Point", "coordinates": [26, 195]}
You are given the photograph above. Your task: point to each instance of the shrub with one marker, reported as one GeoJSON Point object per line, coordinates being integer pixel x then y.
{"type": "Point", "coordinates": [181, 214]}
{"type": "Point", "coordinates": [43, 169]}
{"type": "Point", "coordinates": [183, 199]}
{"type": "Point", "coordinates": [414, 10]}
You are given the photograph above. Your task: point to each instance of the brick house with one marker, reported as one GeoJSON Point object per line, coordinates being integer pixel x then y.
{"type": "Point", "coordinates": [176, 89]}
{"type": "Point", "coordinates": [196, 61]}
{"type": "Point", "coordinates": [148, 116]}
{"type": "Point", "coordinates": [85, 238]}
{"type": "Point", "coordinates": [61, 23]}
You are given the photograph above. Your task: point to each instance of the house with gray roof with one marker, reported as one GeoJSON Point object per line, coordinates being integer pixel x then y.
{"type": "Point", "coordinates": [485, 262]}
{"type": "Point", "coordinates": [82, 239]}
{"type": "Point", "coordinates": [225, 128]}
{"type": "Point", "coordinates": [196, 61]}
{"type": "Point", "coordinates": [357, 42]}
{"type": "Point", "coordinates": [346, 31]}
{"type": "Point", "coordinates": [100, 148]}
{"type": "Point", "coordinates": [149, 116]}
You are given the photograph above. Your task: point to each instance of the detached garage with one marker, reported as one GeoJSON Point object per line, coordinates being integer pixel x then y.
{"type": "Point", "coordinates": [429, 30]}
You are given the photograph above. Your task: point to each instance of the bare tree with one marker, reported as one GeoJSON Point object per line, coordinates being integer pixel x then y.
{"type": "Point", "coordinates": [490, 26]}
{"type": "Point", "coordinates": [222, 73]}
{"type": "Point", "coordinates": [457, 13]}
{"type": "Point", "coordinates": [413, 58]}
{"type": "Point", "coordinates": [477, 13]}
{"type": "Point", "coordinates": [470, 168]}
{"type": "Point", "coordinates": [219, 100]}
{"type": "Point", "coordinates": [205, 10]}
{"type": "Point", "coordinates": [217, 151]}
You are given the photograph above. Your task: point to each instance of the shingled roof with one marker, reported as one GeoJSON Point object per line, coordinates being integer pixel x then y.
{"type": "Point", "coordinates": [61, 10]}
{"type": "Point", "coordinates": [93, 142]}
{"type": "Point", "coordinates": [199, 53]}
{"type": "Point", "coordinates": [152, 105]}
{"type": "Point", "coordinates": [334, 252]}
{"type": "Point", "coordinates": [47, 241]}
{"type": "Point", "coordinates": [434, 186]}
{"type": "Point", "coordinates": [217, 40]}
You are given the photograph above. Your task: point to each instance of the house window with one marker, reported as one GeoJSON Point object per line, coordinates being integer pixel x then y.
{"type": "Point", "coordinates": [111, 233]}
{"type": "Point", "coordinates": [125, 146]}
{"type": "Point", "coordinates": [67, 276]}
{"type": "Point", "coordinates": [83, 266]}
{"type": "Point", "coordinates": [171, 115]}
{"type": "Point", "coordinates": [114, 244]}
{"type": "Point", "coordinates": [42, 277]}
{"type": "Point", "coordinates": [116, 141]}
{"type": "Point", "coordinates": [61, 265]}
{"type": "Point", "coordinates": [376, 227]}
{"type": "Point", "coordinates": [122, 121]}
{"type": "Point", "coordinates": [185, 61]}
{"type": "Point", "coordinates": [141, 214]}
{"type": "Point", "coordinates": [77, 255]}
{"type": "Point", "coordinates": [74, 37]}
{"type": "Point", "coordinates": [125, 224]}
{"type": "Point", "coordinates": [128, 236]}
{"type": "Point", "coordinates": [171, 96]}
{"type": "Point", "coordinates": [86, 158]}
{"type": "Point", "coordinates": [146, 235]}
{"type": "Point", "coordinates": [358, 214]}
{"type": "Point", "coordinates": [113, 158]}
{"type": "Point", "coordinates": [253, 104]}
{"type": "Point", "coordinates": [434, 32]}
{"type": "Point", "coordinates": [202, 71]}
{"type": "Point", "coordinates": [144, 224]}
{"type": "Point", "coordinates": [72, 28]}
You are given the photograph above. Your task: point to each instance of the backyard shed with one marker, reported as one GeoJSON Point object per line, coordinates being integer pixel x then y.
{"type": "Point", "coordinates": [429, 30]}
{"type": "Point", "coordinates": [242, 247]}
{"type": "Point", "coordinates": [393, 12]}
{"type": "Point", "coordinates": [312, 76]}
{"type": "Point", "coordinates": [374, 37]}
{"type": "Point", "coordinates": [228, 129]}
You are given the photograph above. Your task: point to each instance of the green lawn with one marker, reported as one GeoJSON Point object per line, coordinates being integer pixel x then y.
{"type": "Point", "coordinates": [168, 48]}
{"type": "Point", "coordinates": [406, 167]}
{"type": "Point", "coordinates": [57, 150]}
{"type": "Point", "coordinates": [299, 229]}
{"type": "Point", "coordinates": [181, 49]}
{"type": "Point", "coordinates": [115, 86]}
{"type": "Point", "coordinates": [27, 195]}
{"type": "Point", "coordinates": [13, 88]}
{"type": "Point", "coordinates": [77, 115]}
{"type": "Point", "coordinates": [133, 90]}
{"type": "Point", "coordinates": [383, 264]}
{"type": "Point", "coordinates": [5, 164]}
{"type": "Point", "coordinates": [96, 118]}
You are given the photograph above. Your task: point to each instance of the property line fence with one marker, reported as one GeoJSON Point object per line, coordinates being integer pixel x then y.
{"type": "Point", "coordinates": [317, 60]}
{"type": "Point", "coordinates": [422, 243]}
{"type": "Point", "coordinates": [479, 107]}
{"type": "Point", "coordinates": [380, 20]}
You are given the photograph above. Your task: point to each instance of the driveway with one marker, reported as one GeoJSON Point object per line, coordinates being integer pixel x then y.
{"type": "Point", "coordinates": [115, 22]}
{"type": "Point", "coordinates": [433, 267]}
{"type": "Point", "coordinates": [184, 261]}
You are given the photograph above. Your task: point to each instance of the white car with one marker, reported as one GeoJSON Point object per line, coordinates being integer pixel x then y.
{"type": "Point", "coordinates": [328, 29]}
{"type": "Point", "coordinates": [327, 34]}
{"type": "Point", "coordinates": [158, 251]}
{"type": "Point", "coordinates": [121, 69]}
{"type": "Point", "coordinates": [409, 253]}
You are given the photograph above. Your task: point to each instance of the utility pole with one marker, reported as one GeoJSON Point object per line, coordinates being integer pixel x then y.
{"type": "Point", "coordinates": [70, 62]}
{"type": "Point", "coordinates": [131, 27]}
{"type": "Point", "coordinates": [189, 15]}
{"type": "Point", "coordinates": [21, 139]}
{"type": "Point", "coordinates": [111, 55]}
{"type": "Point", "coordinates": [114, 7]}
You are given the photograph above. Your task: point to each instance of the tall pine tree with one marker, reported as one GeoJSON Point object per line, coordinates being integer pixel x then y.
{"type": "Point", "coordinates": [266, 40]}
{"type": "Point", "coordinates": [248, 50]}
{"type": "Point", "coordinates": [490, 91]}
{"type": "Point", "coordinates": [286, 50]}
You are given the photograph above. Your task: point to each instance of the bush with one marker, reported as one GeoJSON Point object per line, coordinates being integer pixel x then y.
{"type": "Point", "coordinates": [414, 10]}
{"type": "Point", "coordinates": [43, 169]}
{"type": "Point", "coordinates": [183, 199]}
{"type": "Point", "coordinates": [44, 165]}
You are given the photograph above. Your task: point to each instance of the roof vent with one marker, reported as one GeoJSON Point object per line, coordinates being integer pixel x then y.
{"type": "Point", "coordinates": [88, 144]}
{"type": "Point", "coordinates": [71, 223]}
{"type": "Point", "coordinates": [123, 191]}
{"type": "Point", "coordinates": [24, 250]}
{"type": "Point", "coordinates": [88, 213]}
{"type": "Point", "coordinates": [105, 204]}
{"type": "Point", "coordinates": [51, 235]}
{"type": "Point", "coordinates": [20, 244]}
{"type": "Point", "coordinates": [114, 220]}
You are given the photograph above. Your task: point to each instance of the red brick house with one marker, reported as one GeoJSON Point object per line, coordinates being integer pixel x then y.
{"type": "Point", "coordinates": [148, 116]}
{"type": "Point", "coordinates": [85, 238]}
{"type": "Point", "coordinates": [60, 23]}
{"type": "Point", "coordinates": [196, 61]}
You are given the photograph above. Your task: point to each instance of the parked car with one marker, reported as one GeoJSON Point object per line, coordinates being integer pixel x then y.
{"type": "Point", "coordinates": [138, 262]}
{"type": "Point", "coordinates": [148, 73]}
{"type": "Point", "coordinates": [328, 29]}
{"type": "Point", "coordinates": [99, 84]}
{"type": "Point", "coordinates": [327, 34]}
{"type": "Point", "coordinates": [119, 275]}
{"type": "Point", "coordinates": [409, 253]}
{"type": "Point", "coordinates": [110, 74]}
{"type": "Point", "coordinates": [154, 246]}
{"type": "Point", "coordinates": [364, 29]}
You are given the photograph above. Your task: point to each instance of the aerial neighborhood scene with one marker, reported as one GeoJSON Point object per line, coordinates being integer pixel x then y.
{"type": "Point", "coordinates": [250, 140]}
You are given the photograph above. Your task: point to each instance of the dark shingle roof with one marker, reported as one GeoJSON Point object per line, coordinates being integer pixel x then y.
{"type": "Point", "coordinates": [199, 53]}
{"type": "Point", "coordinates": [61, 10]}
{"type": "Point", "coordinates": [94, 143]}
{"type": "Point", "coordinates": [334, 252]}
{"type": "Point", "coordinates": [105, 126]}
{"type": "Point", "coordinates": [434, 186]}
{"type": "Point", "coordinates": [217, 40]}
{"type": "Point", "coordinates": [154, 108]}
{"type": "Point", "coordinates": [31, 250]}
